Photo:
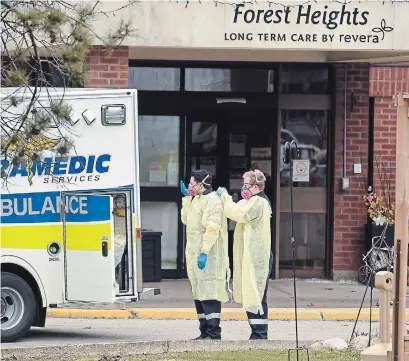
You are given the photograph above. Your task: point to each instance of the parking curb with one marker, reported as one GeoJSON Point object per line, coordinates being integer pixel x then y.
{"type": "Point", "coordinates": [125, 349]}
{"type": "Point", "coordinates": [317, 314]}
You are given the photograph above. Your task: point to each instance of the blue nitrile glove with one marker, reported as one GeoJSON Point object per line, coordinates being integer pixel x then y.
{"type": "Point", "coordinates": [201, 261]}
{"type": "Point", "coordinates": [221, 190]}
{"type": "Point", "coordinates": [183, 189]}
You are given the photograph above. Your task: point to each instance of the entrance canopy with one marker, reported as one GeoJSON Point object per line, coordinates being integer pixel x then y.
{"type": "Point", "coordinates": [305, 31]}
{"type": "Point", "coordinates": [243, 55]}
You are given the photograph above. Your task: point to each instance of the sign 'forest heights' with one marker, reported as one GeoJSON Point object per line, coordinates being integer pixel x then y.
{"type": "Point", "coordinates": [333, 24]}
{"type": "Point", "coordinates": [313, 25]}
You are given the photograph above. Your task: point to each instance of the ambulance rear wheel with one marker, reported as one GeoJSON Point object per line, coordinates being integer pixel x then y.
{"type": "Point", "coordinates": [18, 307]}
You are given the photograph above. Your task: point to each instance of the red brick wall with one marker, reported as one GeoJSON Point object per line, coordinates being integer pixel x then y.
{"type": "Point", "coordinates": [386, 82]}
{"type": "Point", "coordinates": [385, 144]}
{"type": "Point", "coordinates": [108, 69]}
{"type": "Point", "coordinates": [349, 212]}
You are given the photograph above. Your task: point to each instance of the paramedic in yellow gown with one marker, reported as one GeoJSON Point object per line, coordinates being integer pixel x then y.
{"type": "Point", "coordinates": [206, 251]}
{"type": "Point", "coordinates": [252, 256]}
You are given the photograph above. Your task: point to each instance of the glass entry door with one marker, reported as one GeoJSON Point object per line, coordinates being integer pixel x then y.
{"type": "Point", "coordinates": [227, 143]}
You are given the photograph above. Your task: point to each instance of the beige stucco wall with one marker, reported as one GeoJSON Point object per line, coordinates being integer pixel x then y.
{"type": "Point", "coordinates": [379, 25]}
{"type": "Point", "coordinates": [170, 30]}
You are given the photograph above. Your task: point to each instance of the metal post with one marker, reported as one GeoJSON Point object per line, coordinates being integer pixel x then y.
{"type": "Point", "coordinates": [293, 145]}
{"type": "Point", "coordinates": [401, 226]}
{"type": "Point", "coordinates": [395, 323]}
{"type": "Point", "coordinates": [291, 154]}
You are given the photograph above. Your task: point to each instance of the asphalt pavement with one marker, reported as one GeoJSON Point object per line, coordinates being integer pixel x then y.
{"type": "Point", "coordinates": [322, 305]}
{"type": "Point", "coordinates": [61, 332]}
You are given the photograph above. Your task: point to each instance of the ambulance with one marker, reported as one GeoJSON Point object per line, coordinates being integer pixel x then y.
{"type": "Point", "coordinates": [70, 220]}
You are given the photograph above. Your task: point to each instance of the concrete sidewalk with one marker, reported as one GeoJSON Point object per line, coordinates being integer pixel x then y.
{"type": "Point", "coordinates": [317, 300]}
{"type": "Point", "coordinates": [310, 294]}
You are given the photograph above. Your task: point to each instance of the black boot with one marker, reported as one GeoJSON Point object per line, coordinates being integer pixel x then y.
{"type": "Point", "coordinates": [202, 320]}
{"type": "Point", "coordinates": [212, 310]}
{"type": "Point", "coordinates": [202, 328]}
{"type": "Point", "coordinates": [211, 321]}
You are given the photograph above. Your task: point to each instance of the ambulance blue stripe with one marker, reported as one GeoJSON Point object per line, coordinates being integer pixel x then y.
{"type": "Point", "coordinates": [45, 208]}
{"type": "Point", "coordinates": [117, 189]}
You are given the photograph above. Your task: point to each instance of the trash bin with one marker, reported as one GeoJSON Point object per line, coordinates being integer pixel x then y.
{"type": "Point", "coordinates": [151, 255]}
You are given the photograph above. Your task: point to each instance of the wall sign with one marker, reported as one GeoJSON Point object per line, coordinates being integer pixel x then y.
{"type": "Point", "coordinates": [283, 24]}
{"type": "Point", "coordinates": [321, 17]}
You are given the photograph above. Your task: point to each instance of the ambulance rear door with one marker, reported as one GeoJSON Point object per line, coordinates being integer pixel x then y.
{"type": "Point", "coordinates": [87, 220]}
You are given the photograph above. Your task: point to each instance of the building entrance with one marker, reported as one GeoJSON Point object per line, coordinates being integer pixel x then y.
{"type": "Point", "coordinates": [229, 118]}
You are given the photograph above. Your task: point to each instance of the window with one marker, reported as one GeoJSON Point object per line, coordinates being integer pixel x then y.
{"type": "Point", "coordinates": [146, 78]}
{"type": "Point", "coordinates": [309, 129]}
{"type": "Point", "coordinates": [159, 151]}
{"type": "Point", "coordinates": [114, 114]}
{"type": "Point", "coordinates": [304, 80]}
{"type": "Point", "coordinates": [229, 80]}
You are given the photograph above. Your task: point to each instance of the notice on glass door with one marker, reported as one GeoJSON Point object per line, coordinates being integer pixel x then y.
{"type": "Point", "coordinates": [157, 172]}
{"type": "Point", "coordinates": [261, 153]}
{"type": "Point", "coordinates": [301, 170]}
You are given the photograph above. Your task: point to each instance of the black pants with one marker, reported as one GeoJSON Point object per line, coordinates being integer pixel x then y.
{"type": "Point", "coordinates": [259, 323]}
{"type": "Point", "coordinates": [208, 313]}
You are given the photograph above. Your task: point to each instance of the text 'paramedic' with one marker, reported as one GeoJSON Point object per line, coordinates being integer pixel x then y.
{"type": "Point", "coordinates": [52, 205]}
{"type": "Point", "coordinates": [60, 166]}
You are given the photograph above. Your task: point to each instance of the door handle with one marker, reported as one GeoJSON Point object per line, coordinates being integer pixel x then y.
{"type": "Point", "coordinates": [231, 100]}
{"type": "Point", "coordinates": [104, 249]}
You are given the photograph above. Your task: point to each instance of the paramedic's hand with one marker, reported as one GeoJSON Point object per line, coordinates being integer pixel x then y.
{"type": "Point", "coordinates": [201, 261]}
{"type": "Point", "coordinates": [183, 188]}
{"type": "Point", "coordinates": [221, 190]}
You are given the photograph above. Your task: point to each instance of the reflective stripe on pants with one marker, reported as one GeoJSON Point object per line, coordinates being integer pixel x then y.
{"type": "Point", "coordinates": [257, 322]}
{"type": "Point", "coordinates": [209, 318]}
